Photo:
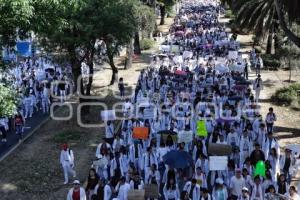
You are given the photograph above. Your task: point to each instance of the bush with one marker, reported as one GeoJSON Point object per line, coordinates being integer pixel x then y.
{"type": "Point", "coordinates": [271, 61]}
{"type": "Point", "coordinates": [67, 136]}
{"type": "Point", "coordinates": [146, 44]}
{"type": "Point", "coordinates": [286, 95]}
{"type": "Point", "coordinates": [229, 14]}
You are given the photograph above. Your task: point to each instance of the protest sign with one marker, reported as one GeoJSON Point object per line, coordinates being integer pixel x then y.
{"type": "Point", "coordinates": [219, 149]}
{"type": "Point", "coordinates": [136, 195]}
{"type": "Point", "coordinates": [107, 115]}
{"type": "Point", "coordinates": [218, 163]}
{"type": "Point", "coordinates": [151, 191]}
{"type": "Point", "coordinates": [185, 136]}
{"type": "Point", "coordinates": [149, 113]}
{"type": "Point", "coordinates": [201, 128]}
{"type": "Point", "coordinates": [140, 133]}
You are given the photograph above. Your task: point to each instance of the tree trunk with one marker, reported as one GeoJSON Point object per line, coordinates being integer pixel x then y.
{"type": "Point", "coordinates": [269, 42]}
{"type": "Point", "coordinates": [294, 38]}
{"type": "Point", "coordinates": [137, 47]}
{"type": "Point", "coordinates": [162, 14]}
{"type": "Point", "coordinates": [90, 63]}
{"type": "Point", "coordinates": [113, 68]}
{"type": "Point", "coordinates": [129, 54]}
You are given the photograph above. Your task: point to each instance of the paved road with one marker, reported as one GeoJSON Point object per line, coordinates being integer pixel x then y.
{"type": "Point", "coordinates": [13, 139]}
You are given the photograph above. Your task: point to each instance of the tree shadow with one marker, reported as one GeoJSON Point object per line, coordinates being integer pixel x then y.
{"type": "Point", "coordinates": [294, 132]}
{"type": "Point", "coordinates": [269, 83]}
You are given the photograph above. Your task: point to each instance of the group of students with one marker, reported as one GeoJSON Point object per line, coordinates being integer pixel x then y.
{"type": "Point", "coordinates": [179, 93]}
{"type": "Point", "coordinates": [37, 81]}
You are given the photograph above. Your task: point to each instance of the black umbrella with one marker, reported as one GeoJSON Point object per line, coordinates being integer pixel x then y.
{"type": "Point", "coordinates": [178, 159]}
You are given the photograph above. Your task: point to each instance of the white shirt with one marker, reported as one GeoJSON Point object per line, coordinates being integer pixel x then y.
{"type": "Point", "coordinates": [236, 185]}
{"type": "Point", "coordinates": [123, 191]}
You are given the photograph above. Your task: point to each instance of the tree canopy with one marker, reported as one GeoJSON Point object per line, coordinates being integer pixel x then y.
{"type": "Point", "coordinates": [8, 101]}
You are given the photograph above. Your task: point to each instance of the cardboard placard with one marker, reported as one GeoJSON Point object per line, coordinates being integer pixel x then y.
{"type": "Point", "coordinates": [140, 133]}
{"type": "Point", "coordinates": [107, 115]}
{"type": "Point", "coordinates": [185, 136]}
{"type": "Point", "coordinates": [151, 191]}
{"type": "Point", "coordinates": [219, 149]}
{"type": "Point", "coordinates": [201, 128]}
{"type": "Point", "coordinates": [149, 113]}
{"type": "Point", "coordinates": [218, 163]}
{"type": "Point", "coordinates": [136, 195]}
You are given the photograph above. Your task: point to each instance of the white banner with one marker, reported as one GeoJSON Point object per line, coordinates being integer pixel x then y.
{"type": "Point", "coordinates": [218, 163]}
{"type": "Point", "coordinates": [107, 115]}
{"type": "Point", "coordinates": [185, 136]}
{"type": "Point", "coordinates": [149, 113]}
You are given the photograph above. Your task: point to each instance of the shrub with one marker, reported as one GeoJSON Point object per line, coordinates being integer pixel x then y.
{"type": "Point", "coordinates": [286, 95]}
{"type": "Point", "coordinates": [67, 136]}
{"type": "Point", "coordinates": [271, 61]}
{"type": "Point", "coordinates": [146, 44]}
{"type": "Point", "coordinates": [229, 14]}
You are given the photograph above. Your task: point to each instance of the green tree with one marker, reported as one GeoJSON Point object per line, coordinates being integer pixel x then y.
{"type": "Point", "coordinates": [8, 101]}
{"type": "Point", "coordinates": [164, 5]}
{"type": "Point", "coordinates": [261, 15]}
{"type": "Point", "coordinates": [15, 18]}
{"type": "Point", "coordinates": [146, 20]}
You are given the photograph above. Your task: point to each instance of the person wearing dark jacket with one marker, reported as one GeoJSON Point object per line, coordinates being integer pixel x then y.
{"type": "Point", "coordinates": [257, 155]}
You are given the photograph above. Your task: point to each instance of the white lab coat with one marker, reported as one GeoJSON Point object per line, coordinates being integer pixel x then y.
{"type": "Point", "coordinates": [274, 144]}
{"type": "Point", "coordinates": [123, 191]}
{"type": "Point", "coordinates": [196, 192]}
{"type": "Point", "coordinates": [132, 158]}
{"type": "Point", "coordinates": [82, 194]}
{"type": "Point", "coordinates": [243, 152]}
{"type": "Point", "coordinates": [124, 165]}
{"type": "Point", "coordinates": [282, 161]}
{"type": "Point", "coordinates": [171, 194]}
{"type": "Point", "coordinates": [145, 161]}
{"type": "Point", "coordinates": [66, 157]}
{"type": "Point", "coordinates": [98, 152]}
{"type": "Point", "coordinates": [107, 192]}
{"type": "Point", "coordinates": [258, 189]}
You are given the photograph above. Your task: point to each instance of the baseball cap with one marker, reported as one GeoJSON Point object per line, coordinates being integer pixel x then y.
{"type": "Point", "coordinates": [76, 182]}
{"type": "Point", "coordinates": [245, 189]}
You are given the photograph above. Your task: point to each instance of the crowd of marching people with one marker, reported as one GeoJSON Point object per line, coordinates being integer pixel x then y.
{"type": "Point", "coordinates": [205, 79]}
{"type": "Point", "coordinates": [36, 81]}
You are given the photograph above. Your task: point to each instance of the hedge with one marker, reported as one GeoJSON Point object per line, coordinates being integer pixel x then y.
{"type": "Point", "coordinates": [287, 95]}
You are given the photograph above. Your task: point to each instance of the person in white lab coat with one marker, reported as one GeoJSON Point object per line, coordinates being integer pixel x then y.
{"type": "Point", "coordinates": [245, 146]}
{"type": "Point", "coordinates": [136, 183]}
{"type": "Point", "coordinates": [171, 190]}
{"type": "Point", "coordinates": [122, 189]}
{"type": "Point", "coordinates": [269, 143]}
{"type": "Point", "coordinates": [257, 189]}
{"type": "Point", "coordinates": [193, 189]}
{"type": "Point", "coordinates": [77, 192]}
{"type": "Point", "coordinates": [67, 162]}
{"type": "Point", "coordinates": [257, 87]}
{"type": "Point", "coordinates": [102, 191]}
{"type": "Point", "coordinates": [149, 158]}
